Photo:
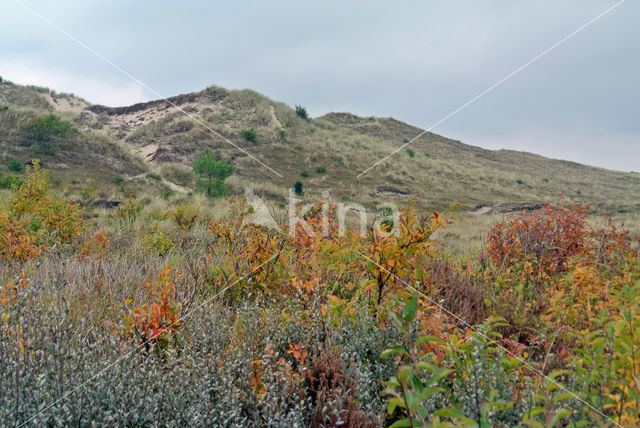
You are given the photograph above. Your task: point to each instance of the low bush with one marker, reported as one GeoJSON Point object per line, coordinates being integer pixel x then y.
{"type": "Point", "coordinates": [541, 243]}
{"type": "Point", "coordinates": [118, 180]}
{"type": "Point", "coordinates": [35, 220]}
{"type": "Point", "coordinates": [14, 166]}
{"type": "Point", "coordinates": [301, 112]}
{"type": "Point", "coordinates": [128, 212]}
{"type": "Point", "coordinates": [47, 133]}
{"type": "Point", "coordinates": [158, 243]}
{"type": "Point", "coordinates": [185, 215]}
{"type": "Point", "coordinates": [11, 180]}
{"type": "Point", "coordinates": [249, 134]}
{"type": "Point", "coordinates": [248, 326]}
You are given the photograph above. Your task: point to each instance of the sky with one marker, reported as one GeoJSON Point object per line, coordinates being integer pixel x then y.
{"type": "Point", "coordinates": [417, 61]}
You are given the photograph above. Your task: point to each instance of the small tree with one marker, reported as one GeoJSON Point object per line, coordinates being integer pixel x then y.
{"type": "Point", "coordinates": [212, 171]}
{"type": "Point", "coordinates": [297, 187]}
{"type": "Point", "coordinates": [302, 112]}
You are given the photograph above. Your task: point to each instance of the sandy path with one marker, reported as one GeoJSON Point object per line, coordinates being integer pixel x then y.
{"type": "Point", "coordinates": [274, 118]}
{"type": "Point", "coordinates": [148, 152]}
{"type": "Point", "coordinates": [481, 210]}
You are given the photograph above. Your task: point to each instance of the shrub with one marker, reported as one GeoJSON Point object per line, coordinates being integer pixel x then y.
{"type": "Point", "coordinates": [185, 215]}
{"type": "Point", "coordinates": [604, 366]}
{"type": "Point", "coordinates": [8, 181]}
{"type": "Point", "coordinates": [321, 170]}
{"type": "Point", "coordinates": [129, 211]}
{"type": "Point", "coordinates": [541, 243]}
{"type": "Point", "coordinates": [158, 243]}
{"type": "Point", "coordinates": [304, 173]}
{"type": "Point", "coordinates": [118, 180]}
{"type": "Point", "coordinates": [520, 181]}
{"type": "Point", "coordinates": [249, 134]}
{"type": "Point", "coordinates": [397, 253]}
{"type": "Point", "coordinates": [332, 390]}
{"type": "Point", "coordinates": [460, 293]}
{"type": "Point", "coordinates": [529, 253]}
{"type": "Point", "coordinates": [14, 166]}
{"type": "Point", "coordinates": [414, 390]}
{"type": "Point", "coordinates": [411, 153]}
{"type": "Point", "coordinates": [212, 171]}
{"type": "Point", "coordinates": [35, 220]}
{"type": "Point", "coordinates": [17, 243]}
{"type": "Point", "coordinates": [59, 219]}
{"type": "Point", "coordinates": [301, 112]}
{"type": "Point", "coordinates": [155, 324]}
{"type": "Point", "coordinates": [46, 133]}
{"type": "Point", "coordinates": [297, 187]}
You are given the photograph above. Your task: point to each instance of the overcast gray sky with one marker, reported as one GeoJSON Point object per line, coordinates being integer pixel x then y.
{"type": "Point", "coordinates": [414, 60]}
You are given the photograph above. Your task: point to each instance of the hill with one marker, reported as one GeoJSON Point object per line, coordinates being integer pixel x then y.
{"type": "Point", "coordinates": [172, 310]}
{"type": "Point", "coordinates": [151, 146]}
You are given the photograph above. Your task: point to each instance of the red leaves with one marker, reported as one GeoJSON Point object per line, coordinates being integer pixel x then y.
{"type": "Point", "coordinates": [546, 239]}
{"type": "Point", "coordinates": [157, 322]}
{"type": "Point", "coordinates": [298, 352]}
{"type": "Point", "coordinates": [545, 242]}
{"type": "Point", "coordinates": [16, 243]}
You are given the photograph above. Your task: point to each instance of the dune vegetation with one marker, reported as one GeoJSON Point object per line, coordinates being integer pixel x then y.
{"type": "Point", "coordinates": [184, 312]}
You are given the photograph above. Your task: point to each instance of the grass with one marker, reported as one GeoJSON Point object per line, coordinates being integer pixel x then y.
{"type": "Point", "coordinates": [313, 311]}
{"type": "Point", "coordinates": [342, 144]}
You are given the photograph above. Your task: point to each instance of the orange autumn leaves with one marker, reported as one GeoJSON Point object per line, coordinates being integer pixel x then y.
{"type": "Point", "coordinates": [562, 268]}
{"type": "Point", "coordinates": [33, 220]}
{"type": "Point", "coordinates": [399, 259]}
{"type": "Point", "coordinates": [157, 323]}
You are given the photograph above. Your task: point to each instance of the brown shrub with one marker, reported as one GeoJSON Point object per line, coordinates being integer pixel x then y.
{"type": "Point", "coordinates": [332, 392]}
{"type": "Point", "coordinates": [548, 238]}
{"type": "Point", "coordinates": [458, 293]}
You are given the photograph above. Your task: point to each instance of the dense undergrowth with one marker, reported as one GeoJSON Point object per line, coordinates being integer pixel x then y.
{"type": "Point", "coordinates": [174, 317]}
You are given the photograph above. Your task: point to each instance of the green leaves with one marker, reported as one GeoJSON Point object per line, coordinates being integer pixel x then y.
{"type": "Point", "coordinates": [417, 384]}
{"type": "Point", "coordinates": [46, 132]}
{"type": "Point", "coordinates": [410, 310]}
{"type": "Point", "coordinates": [212, 171]}
{"type": "Point", "coordinates": [301, 112]}
{"type": "Point", "coordinates": [393, 350]}
{"type": "Point", "coordinates": [249, 134]}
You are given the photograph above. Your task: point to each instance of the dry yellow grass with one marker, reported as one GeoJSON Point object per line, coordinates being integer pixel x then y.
{"type": "Point", "coordinates": [441, 171]}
